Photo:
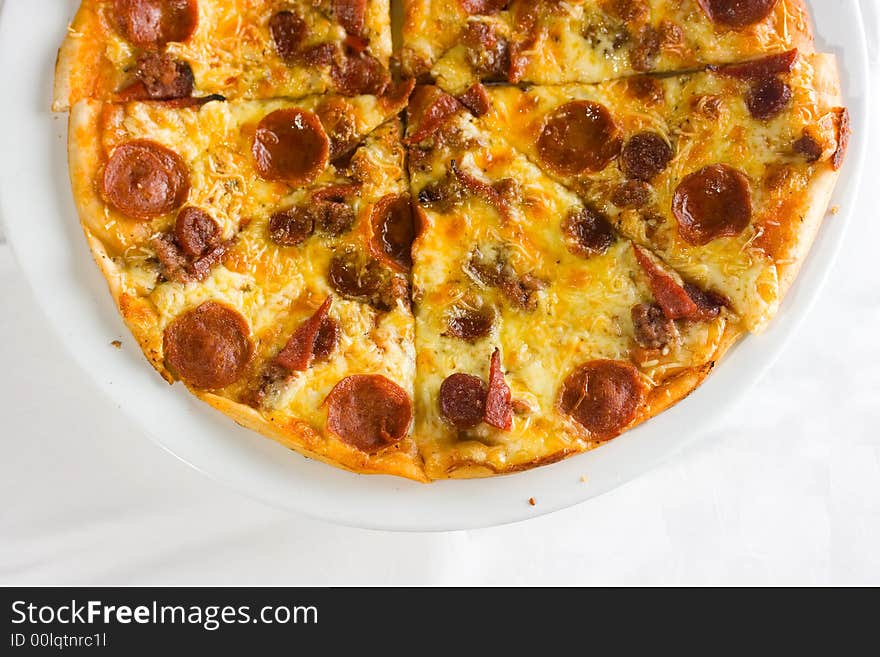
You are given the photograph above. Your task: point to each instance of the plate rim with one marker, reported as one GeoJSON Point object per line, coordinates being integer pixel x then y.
{"type": "Point", "coordinates": [405, 514]}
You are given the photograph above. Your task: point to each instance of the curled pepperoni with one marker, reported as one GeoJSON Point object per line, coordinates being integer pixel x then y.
{"type": "Point", "coordinates": [290, 145]}
{"type": "Point", "coordinates": [153, 23]}
{"type": "Point", "coordinates": [476, 99]}
{"type": "Point", "coordinates": [480, 189]}
{"type": "Point", "coordinates": [463, 400]}
{"type": "Point", "coordinates": [737, 13]}
{"type": "Point", "coordinates": [393, 231]}
{"type": "Point", "coordinates": [604, 396]}
{"type": "Point", "coordinates": [288, 30]}
{"type": "Point", "coordinates": [499, 412]}
{"type": "Point", "coordinates": [208, 347]}
{"type": "Point", "coordinates": [351, 15]}
{"type": "Point", "coordinates": [196, 232]}
{"type": "Point", "coordinates": [473, 7]}
{"type": "Point", "coordinates": [320, 330]}
{"type": "Point", "coordinates": [768, 97]}
{"type": "Point", "coordinates": [326, 340]}
{"type": "Point", "coordinates": [709, 304]}
{"type": "Point", "coordinates": [360, 74]}
{"type": "Point", "coordinates": [291, 227]}
{"type": "Point", "coordinates": [470, 325]}
{"type": "Point", "coordinates": [760, 68]}
{"type": "Point", "coordinates": [369, 412]}
{"type": "Point", "coordinates": [645, 156]}
{"type": "Point", "coordinates": [587, 232]}
{"type": "Point", "coordinates": [711, 203]}
{"type": "Point", "coordinates": [579, 137]}
{"type": "Point", "coordinates": [429, 110]}
{"type": "Point", "coordinates": [672, 297]}
{"type": "Point", "coordinates": [144, 180]}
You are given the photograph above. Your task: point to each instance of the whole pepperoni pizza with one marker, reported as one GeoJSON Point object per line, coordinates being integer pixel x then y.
{"type": "Point", "coordinates": [522, 230]}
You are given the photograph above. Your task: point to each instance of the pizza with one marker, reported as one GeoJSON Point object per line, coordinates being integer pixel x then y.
{"type": "Point", "coordinates": [121, 50]}
{"type": "Point", "coordinates": [725, 174]}
{"type": "Point", "coordinates": [527, 230]}
{"type": "Point", "coordinates": [555, 41]}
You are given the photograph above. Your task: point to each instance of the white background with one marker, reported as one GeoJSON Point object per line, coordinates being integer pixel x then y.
{"type": "Point", "coordinates": [787, 492]}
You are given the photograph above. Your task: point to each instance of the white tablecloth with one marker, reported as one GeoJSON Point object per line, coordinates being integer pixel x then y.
{"type": "Point", "coordinates": [788, 492]}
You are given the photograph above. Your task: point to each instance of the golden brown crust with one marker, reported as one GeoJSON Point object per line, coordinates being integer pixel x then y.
{"type": "Point", "coordinates": [300, 437]}
{"type": "Point", "coordinates": [820, 187]}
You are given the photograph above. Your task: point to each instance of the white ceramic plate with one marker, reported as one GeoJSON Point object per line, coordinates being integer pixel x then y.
{"type": "Point", "coordinates": [42, 226]}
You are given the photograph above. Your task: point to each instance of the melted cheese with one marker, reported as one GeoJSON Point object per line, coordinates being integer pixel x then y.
{"type": "Point", "coordinates": [737, 267]}
{"type": "Point", "coordinates": [230, 53]}
{"type": "Point", "coordinates": [583, 313]}
{"type": "Point", "coordinates": [585, 41]}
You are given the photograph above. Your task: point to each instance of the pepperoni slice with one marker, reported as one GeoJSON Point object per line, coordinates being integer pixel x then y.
{"type": "Point", "coordinates": [208, 347]}
{"type": "Point", "coordinates": [673, 299]}
{"type": "Point", "coordinates": [587, 231]}
{"type": "Point", "coordinates": [474, 7]}
{"type": "Point", "coordinates": [144, 180]}
{"type": "Point", "coordinates": [470, 325]}
{"type": "Point", "coordinates": [579, 137]}
{"type": "Point", "coordinates": [300, 350]}
{"type": "Point", "coordinates": [499, 412]}
{"type": "Point", "coordinates": [369, 412]}
{"type": "Point", "coordinates": [645, 156]}
{"type": "Point", "coordinates": [760, 68]}
{"type": "Point", "coordinates": [290, 145]}
{"type": "Point", "coordinates": [480, 189]}
{"type": "Point", "coordinates": [768, 97]}
{"type": "Point", "coordinates": [463, 400]}
{"type": "Point", "coordinates": [737, 13]}
{"type": "Point", "coordinates": [288, 30]}
{"type": "Point", "coordinates": [291, 227]}
{"type": "Point", "coordinates": [360, 74]}
{"type": "Point", "coordinates": [351, 15]}
{"type": "Point", "coordinates": [393, 231]}
{"type": "Point", "coordinates": [476, 99]}
{"type": "Point", "coordinates": [711, 203]}
{"type": "Point", "coordinates": [604, 396]}
{"type": "Point", "coordinates": [708, 303]}
{"type": "Point", "coordinates": [196, 232]}
{"type": "Point", "coordinates": [153, 23]}
{"type": "Point", "coordinates": [429, 110]}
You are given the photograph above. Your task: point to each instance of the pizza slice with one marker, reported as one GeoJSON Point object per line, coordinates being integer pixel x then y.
{"type": "Point", "coordinates": [257, 250]}
{"type": "Point", "coordinates": [122, 50]}
{"type": "Point", "coordinates": [540, 332]}
{"type": "Point", "coordinates": [458, 42]}
{"type": "Point", "coordinates": [724, 174]}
